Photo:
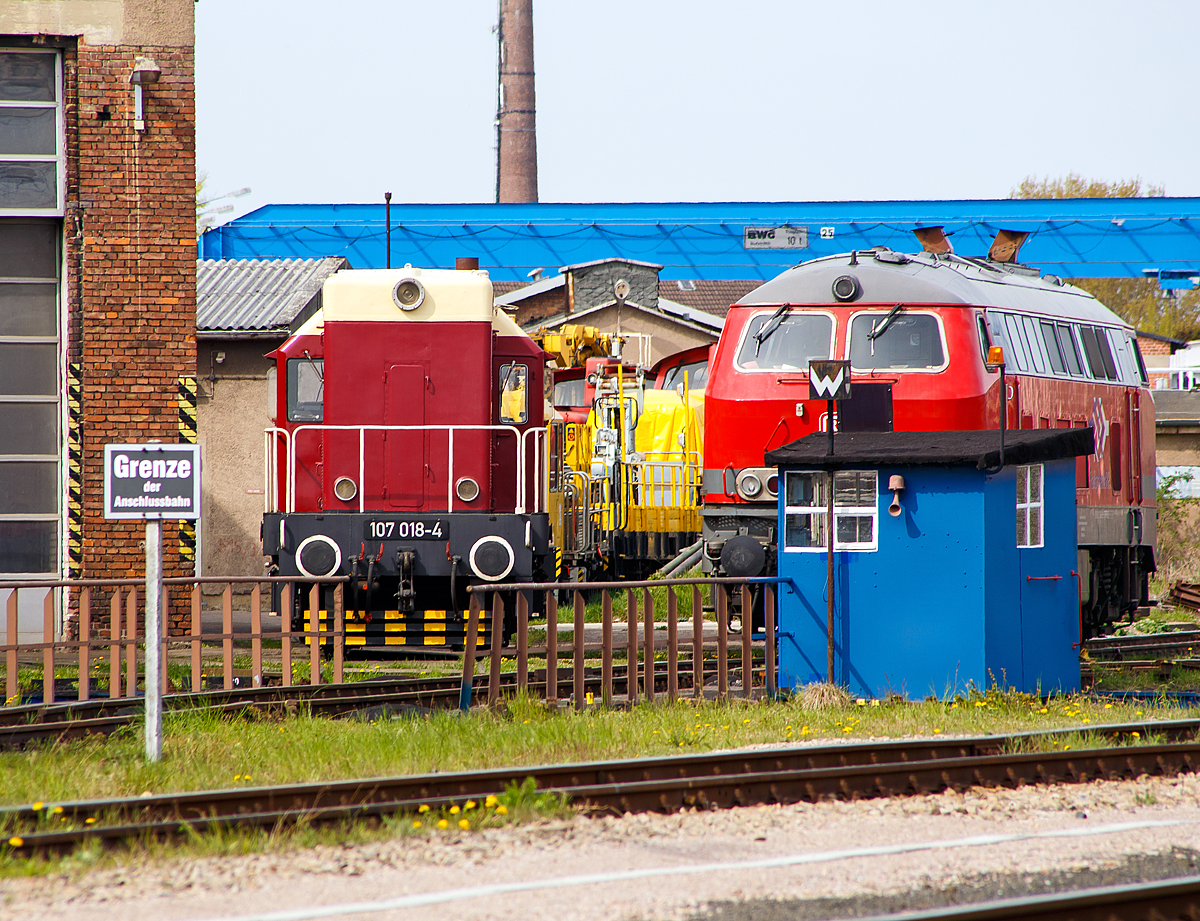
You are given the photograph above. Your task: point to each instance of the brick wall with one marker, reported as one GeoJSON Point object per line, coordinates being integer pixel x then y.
{"type": "Point", "coordinates": [131, 254]}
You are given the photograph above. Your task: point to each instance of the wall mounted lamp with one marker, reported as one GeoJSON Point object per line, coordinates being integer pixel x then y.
{"type": "Point", "coordinates": [145, 71]}
{"type": "Point", "coordinates": [896, 485]}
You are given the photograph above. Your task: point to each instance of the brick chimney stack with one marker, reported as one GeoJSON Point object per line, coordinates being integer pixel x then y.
{"type": "Point", "coordinates": [516, 136]}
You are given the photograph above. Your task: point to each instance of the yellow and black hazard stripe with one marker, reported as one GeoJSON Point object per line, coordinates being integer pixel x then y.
{"type": "Point", "coordinates": [443, 629]}
{"type": "Point", "coordinates": [187, 435]}
{"type": "Point", "coordinates": [558, 570]}
{"type": "Point", "coordinates": [74, 471]}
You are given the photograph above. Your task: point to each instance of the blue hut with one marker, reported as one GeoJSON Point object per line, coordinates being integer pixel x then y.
{"type": "Point", "coordinates": [950, 569]}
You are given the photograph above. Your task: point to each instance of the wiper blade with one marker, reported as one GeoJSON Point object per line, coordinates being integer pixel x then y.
{"type": "Point", "coordinates": [880, 328]}
{"type": "Point", "coordinates": [775, 321]}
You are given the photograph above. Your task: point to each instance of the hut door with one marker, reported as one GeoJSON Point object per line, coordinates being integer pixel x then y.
{"type": "Point", "coordinates": [406, 452]}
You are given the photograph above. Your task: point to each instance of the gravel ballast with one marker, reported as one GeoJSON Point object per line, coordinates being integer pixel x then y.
{"type": "Point", "coordinates": [258, 884]}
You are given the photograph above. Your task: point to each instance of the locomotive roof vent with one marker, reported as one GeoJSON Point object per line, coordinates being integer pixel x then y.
{"type": "Point", "coordinates": [891, 256]}
{"type": "Point", "coordinates": [846, 288]}
{"type": "Point", "coordinates": [409, 294]}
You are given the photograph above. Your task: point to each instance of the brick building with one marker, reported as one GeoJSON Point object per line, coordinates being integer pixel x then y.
{"type": "Point", "coordinates": [97, 274]}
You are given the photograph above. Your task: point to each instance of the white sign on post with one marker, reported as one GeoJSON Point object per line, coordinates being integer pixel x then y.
{"type": "Point", "coordinates": [782, 237]}
{"type": "Point", "coordinates": [152, 482]}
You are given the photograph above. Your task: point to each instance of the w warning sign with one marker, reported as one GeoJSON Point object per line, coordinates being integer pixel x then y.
{"type": "Point", "coordinates": [829, 380]}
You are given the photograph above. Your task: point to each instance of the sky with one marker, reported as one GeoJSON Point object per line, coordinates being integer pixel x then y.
{"type": "Point", "coordinates": [692, 100]}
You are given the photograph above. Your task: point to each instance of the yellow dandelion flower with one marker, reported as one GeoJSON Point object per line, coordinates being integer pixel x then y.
{"type": "Point", "coordinates": [471, 804]}
{"type": "Point", "coordinates": [1136, 735]}
{"type": "Point", "coordinates": [490, 802]}
{"type": "Point", "coordinates": [39, 806]}
{"type": "Point", "coordinates": [1065, 747]}
{"type": "Point", "coordinates": [1137, 712]}
{"type": "Point", "coordinates": [1108, 706]}
{"type": "Point", "coordinates": [90, 820]}
{"type": "Point", "coordinates": [454, 810]}
{"type": "Point", "coordinates": [416, 824]}
{"type": "Point", "coordinates": [1043, 710]}
{"type": "Point", "coordinates": [464, 824]}
{"type": "Point", "coordinates": [442, 823]}
{"type": "Point", "coordinates": [745, 721]}
{"type": "Point", "coordinates": [501, 810]}
{"type": "Point", "coordinates": [58, 810]}
{"type": "Point", "coordinates": [237, 776]}
{"type": "Point", "coordinates": [423, 808]}
{"type": "Point", "coordinates": [1086, 720]}
{"type": "Point", "coordinates": [16, 841]}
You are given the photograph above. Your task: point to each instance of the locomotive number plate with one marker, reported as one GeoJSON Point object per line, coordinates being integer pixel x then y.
{"type": "Point", "coordinates": [383, 529]}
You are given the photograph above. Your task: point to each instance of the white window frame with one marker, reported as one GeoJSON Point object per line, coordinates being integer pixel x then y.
{"type": "Point", "coordinates": [59, 156]}
{"type": "Point", "coordinates": [821, 512]}
{"type": "Point", "coordinates": [881, 313]}
{"type": "Point", "coordinates": [1031, 507]}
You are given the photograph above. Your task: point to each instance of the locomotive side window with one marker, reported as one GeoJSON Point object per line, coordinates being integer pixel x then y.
{"type": "Point", "coordinates": [1053, 349]}
{"type": "Point", "coordinates": [696, 373]}
{"type": "Point", "coordinates": [570, 393]}
{"type": "Point", "coordinates": [905, 342]}
{"type": "Point", "coordinates": [984, 339]}
{"type": "Point", "coordinates": [1120, 349]}
{"type": "Point", "coordinates": [785, 342]}
{"type": "Point", "coordinates": [1099, 355]}
{"type": "Point", "coordinates": [1141, 365]}
{"type": "Point", "coordinates": [514, 394]}
{"type": "Point", "coordinates": [1035, 348]}
{"type": "Point", "coordinates": [306, 390]}
{"type": "Point", "coordinates": [1070, 350]}
{"type": "Point", "coordinates": [1012, 326]}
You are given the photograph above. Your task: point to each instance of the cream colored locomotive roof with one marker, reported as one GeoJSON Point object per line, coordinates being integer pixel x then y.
{"type": "Point", "coordinates": [366, 294]}
{"type": "Point", "coordinates": [920, 278]}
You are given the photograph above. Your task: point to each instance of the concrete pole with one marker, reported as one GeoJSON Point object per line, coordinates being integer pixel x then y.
{"type": "Point", "coordinates": [154, 592]}
{"type": "Point", "coordinates": [516, 129]}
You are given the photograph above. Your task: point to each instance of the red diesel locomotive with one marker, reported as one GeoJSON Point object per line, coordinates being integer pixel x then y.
{"type": "Point", "coordinates": [916, 329]}
{"type": "Point", "coordinates": [409, 449]}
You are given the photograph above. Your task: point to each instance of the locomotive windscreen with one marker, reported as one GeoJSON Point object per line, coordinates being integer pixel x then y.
{"type": "Point", "coordinates": [909, 341]}
{"type": "Point", "coordinates": [790, 346]}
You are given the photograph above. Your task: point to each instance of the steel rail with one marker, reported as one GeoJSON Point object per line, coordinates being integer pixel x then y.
{"type": "Point", "coordinates": [1168, 898]}
{"type": "Point", "coordinates": [709, 780]}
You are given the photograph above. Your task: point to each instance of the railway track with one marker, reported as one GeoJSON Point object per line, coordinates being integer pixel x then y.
{"type": "Point", "coordinates": [19, 726]}
{"type": "Point", "coordinates": [664, 784]}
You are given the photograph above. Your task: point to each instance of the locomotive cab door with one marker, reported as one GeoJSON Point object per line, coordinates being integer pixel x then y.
{"type": "Point", "coordinates": [406, 454]}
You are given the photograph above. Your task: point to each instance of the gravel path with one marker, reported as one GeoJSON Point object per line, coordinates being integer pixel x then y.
{"type": "Point", "coordinates": [258, 884]}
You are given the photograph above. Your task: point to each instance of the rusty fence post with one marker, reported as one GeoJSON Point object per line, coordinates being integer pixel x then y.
{"type": "Point", "coordinates": [10, 655]}
{"type": "Point", "coordinates": [551, 649]}
{"type": "Point", "coordinates": [314, 634]}
{"type": "Point", "coordinates": [256, 675]}
{"type": "Point", "coordinates": [131, 632]}
{"type": "Point", "coordinates": [285, 634]}
{"type": "Point", "coordinates": [722, 641]}
{"type": "Point", "coordinates": [606, 647]}
{"type": "Point", "coordinates": [522, 642]}
{"type": "Point", "coordinates": [578, 653]}
{"type": "Point", "coordinates": [648, 668]}
{"type": "Point", "coordinates": [48, 648]}
{"type": "Point", "coordinates": [747, 643]}
{"type": "Point", "coordinates": [468, 669]}
{"type": "Point", "coordinates": [672, 644]}
{"type": "Point", "coordinates": [496, 649]}
{"type": "Point", "coordinates": [164, 634]}
{"type": "Point", "coordinates": [197, 631]}
{"type": "Point", "coordinates": [227, 631]}
{"type": "Point", "coordinates": [85, 638]}
{"type": "Point", "coordinates": [339, 632]}
{"type": "Point", "coordinates": [769, 679]}
{"type": "Point", "coordinates": [114, 646]}
{"type": "Point", "coordinates": [697, 643]}
{"type": "Point", "coordinates": [631, 644]}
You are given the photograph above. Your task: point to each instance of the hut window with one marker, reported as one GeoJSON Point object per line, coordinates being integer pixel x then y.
{"type": "Point", "coordinates": [855, 510]}
{"type": "Point", "coordinates": [1029, 506]}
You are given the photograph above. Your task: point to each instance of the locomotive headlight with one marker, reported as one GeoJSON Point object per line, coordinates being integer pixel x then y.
{"type": "Point", "coordinates": [466, 489]}
{"type": "Point", "coordinates": [749, 485]}
{"type": "Point", "coordinates": [345, 488]}
{"type": "Point", "coordinates": [846, 288]}
{"type": "Point", "coordinates": [318, 556]}
{"type": "Point", "coordinates": [409, 294]}
{"type": "Point", "coordinates": [773, 485]}
{"type": "Point", "coordinates": [492, 558]}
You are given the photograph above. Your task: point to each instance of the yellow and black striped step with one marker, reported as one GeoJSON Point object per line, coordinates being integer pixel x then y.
{"type": "Point", "coordinates": [418, 628]}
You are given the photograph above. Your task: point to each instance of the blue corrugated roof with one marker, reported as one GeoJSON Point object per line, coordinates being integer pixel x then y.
{"type": "Point", "coordinates": [1082, 238]}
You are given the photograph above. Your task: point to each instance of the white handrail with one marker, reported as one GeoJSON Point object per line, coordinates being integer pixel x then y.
{"type": "Point", "coordinates": [293, 438]}
{"type": "Point", "coordinates": [271, 466]}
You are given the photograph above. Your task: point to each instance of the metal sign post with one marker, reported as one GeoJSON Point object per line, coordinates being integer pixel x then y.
{"type": "Point", "coordinates": [829, 380]}
{"type": "Point", "coordinates": [152, 482]}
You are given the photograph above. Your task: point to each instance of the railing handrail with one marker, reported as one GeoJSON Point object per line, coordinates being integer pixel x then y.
{"type": "Point", "coordinates": [173, 580]}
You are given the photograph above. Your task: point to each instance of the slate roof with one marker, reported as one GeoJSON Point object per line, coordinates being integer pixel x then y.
{"type": "Point", "coordinates": [254, 296]}
{"type": "Point", "coordinates": [711, 296]}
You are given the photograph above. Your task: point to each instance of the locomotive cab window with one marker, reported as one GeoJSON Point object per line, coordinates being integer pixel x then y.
{"type": "Point", "coordinates": [785, 341]}
{"type": "Point", "coordinates": [306, 390]}
{"type": "Point", "coordinates": [896, 341]}
{"type": "Point", "coordinates": [855, 510]}
{"type": "Point", "coordinates": [514, 394]}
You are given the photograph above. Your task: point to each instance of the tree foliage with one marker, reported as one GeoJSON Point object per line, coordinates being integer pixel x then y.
{"type": "Point", "coordinates": [1140, 301]}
